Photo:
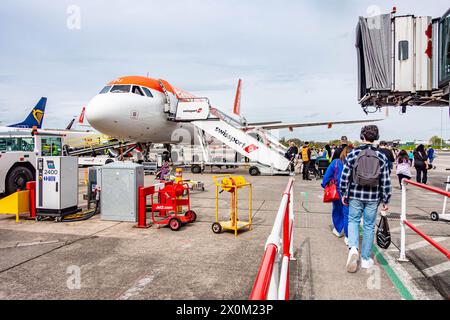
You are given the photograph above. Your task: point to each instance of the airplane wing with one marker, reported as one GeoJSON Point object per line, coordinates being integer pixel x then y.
{"type": "Point", "coordinates": [291, 126]}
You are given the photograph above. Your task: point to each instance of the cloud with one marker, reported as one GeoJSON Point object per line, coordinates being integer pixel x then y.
{"type": "Point", "coordinates": [296, 57]}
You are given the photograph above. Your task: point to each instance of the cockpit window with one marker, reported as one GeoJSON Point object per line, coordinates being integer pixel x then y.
{"type": "Point", "coordinates": [121, 88]}
{"type": "Point", "coordinates": [147, 92]}
{"type": "Point", "coordinates": [137, 90]}
{"type": "Point", "coordinates": [105, 89]}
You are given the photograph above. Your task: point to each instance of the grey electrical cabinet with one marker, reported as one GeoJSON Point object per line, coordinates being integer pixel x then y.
{"type": "Point", "coordinates": [57, 186]}
{"type": "Point", "coordinates": [120, 182]}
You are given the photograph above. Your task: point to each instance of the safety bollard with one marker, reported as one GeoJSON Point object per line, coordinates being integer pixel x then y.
{"type": "Point", "coordinates": [142, 210]}
{"type": "Point", "coordinates": [31, 186]}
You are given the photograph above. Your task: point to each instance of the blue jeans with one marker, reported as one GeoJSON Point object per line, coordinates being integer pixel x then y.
{"type": "Point", "coordinates": [340, 217]}
{"type": "Point", "coordinates": [357, 209]}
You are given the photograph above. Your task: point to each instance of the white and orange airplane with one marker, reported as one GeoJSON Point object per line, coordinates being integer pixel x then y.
{"type": "Point", "coordinates": [137, 108]}
{"type": "Point", "coordinates": [148, 111]}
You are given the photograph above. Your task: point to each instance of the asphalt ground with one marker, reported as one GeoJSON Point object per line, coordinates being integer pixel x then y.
{"type": "Point", "coordinates": [97, 259]}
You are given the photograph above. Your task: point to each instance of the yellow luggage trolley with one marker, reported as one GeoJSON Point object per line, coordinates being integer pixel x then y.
{"type": "Point", "coordinates": [232, 184]}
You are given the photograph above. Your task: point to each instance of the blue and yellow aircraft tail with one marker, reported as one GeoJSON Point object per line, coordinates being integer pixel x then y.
{"type": "Point", "coordinates": [35, 118]}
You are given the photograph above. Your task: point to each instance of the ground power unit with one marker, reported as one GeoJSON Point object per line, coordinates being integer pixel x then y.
{"type": "Point", "coordinates": [120, 182]}
{"type": "Point", "coordinates": [56, 186]}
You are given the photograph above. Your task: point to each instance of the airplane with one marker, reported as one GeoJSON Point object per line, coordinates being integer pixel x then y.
{"type": "Point", "coordinates": [135, 108]}
{"type": "Point", "coordinates": [72, 138]}
{"type": "Point", "coordinates": [35, 118]}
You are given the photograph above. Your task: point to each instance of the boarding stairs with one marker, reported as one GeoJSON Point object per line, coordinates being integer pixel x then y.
{"type": "Point", "coordinates": [258, 146]}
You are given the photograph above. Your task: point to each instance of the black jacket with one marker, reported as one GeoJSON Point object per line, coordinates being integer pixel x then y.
{"type": "Point", "coordinates": [388, 153]}
{"type": "Point", "coordinates": [291, 153]}
{"type": "Point", "coordinates": [338, 151]}
{"type": "Point", "coordinates": [419, 160]}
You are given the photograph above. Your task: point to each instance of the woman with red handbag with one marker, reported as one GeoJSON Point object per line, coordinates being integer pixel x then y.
{"type": "Point", "coordinates": [330, 183]}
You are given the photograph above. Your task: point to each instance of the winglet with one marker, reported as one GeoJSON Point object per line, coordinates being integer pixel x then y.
{"type": "Point", "coordinates": [36, 116]}
{"type": "Point", "coordinates": [237, 100]}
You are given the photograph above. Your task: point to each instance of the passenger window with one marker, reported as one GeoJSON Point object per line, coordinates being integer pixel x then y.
{"type": "Point", "coordinates": [105, 90]}
{"type": "Point", "coordinates": [137, 90]}
{"type": "Point", "coordinates": [403, 53]}
{"type": "Point", "coordinates": [121, 89]}
{"type": "Point", "coordinates": [148, 93]}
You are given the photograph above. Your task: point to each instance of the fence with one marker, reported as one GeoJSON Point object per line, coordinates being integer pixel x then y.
{"type": "Point", "coordinates": [272, 282]}
{"type": "Point", "coordinates": [404, 222]}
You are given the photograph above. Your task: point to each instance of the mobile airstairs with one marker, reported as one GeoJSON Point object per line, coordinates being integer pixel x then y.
{"type": "Point", "coordinates": [264, 152]}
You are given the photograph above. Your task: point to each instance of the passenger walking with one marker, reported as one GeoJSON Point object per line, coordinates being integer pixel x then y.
{"type": "Point", "coordinates": [164, 172]}
{"type": "Point", "coordinates": [365, 183]}
{"type": "Point", "coordinates": [411, 157]}
{"type": "Point", "coordinates": [291, 155]}
{"type": "Point", "coordinates": [403, 167]}
{"type": "Point", "coordinates": [337, 152]}
{"type": "Point", "coordinates": [421, 164]}
{"type": "Point", "coordinates": [333, 150]}
{"type": "Point", "coordinates": [339, 213]}
{"type": "Point", "coordinates": [328, 152]}
{"type": "Point", "coordinates": [313, 163]}
{"type": "Point", "coordinates": [431, 155]}
{"type": "Point", "coordinates": [383, 148]}
{"type": "Point", "coordinates": [306, 158]}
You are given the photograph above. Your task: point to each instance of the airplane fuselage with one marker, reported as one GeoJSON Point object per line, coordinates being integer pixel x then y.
{"type": "Point", "coordinates": [133, 108]}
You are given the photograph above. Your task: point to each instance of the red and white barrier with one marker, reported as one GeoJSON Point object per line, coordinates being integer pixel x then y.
{"type": "Point", "coordinates": [272, 282]}
{"type": "Point", "coordinates": [404, 222]}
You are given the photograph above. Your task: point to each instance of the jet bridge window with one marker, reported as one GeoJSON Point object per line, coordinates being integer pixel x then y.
{"type": "Point", "coordinates": [403, 50]}
{"type": "Point", "coordinates": [121, 88]}
{"type": "Point", "coordinates": [105, 90]}
{"type": "Point", "coordinates": [137, 90]}
{"type": "Point", "coordinates": [147, 92]}
{"type": "Point", "coordinates": [444, 56]}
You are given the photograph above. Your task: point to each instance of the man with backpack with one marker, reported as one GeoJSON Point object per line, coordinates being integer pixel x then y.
{"type": "Point", "coordinates": [365, 183]}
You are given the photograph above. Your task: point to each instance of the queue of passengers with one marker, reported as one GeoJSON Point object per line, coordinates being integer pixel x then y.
{"type": "Point", "coordinates": [362, 177]}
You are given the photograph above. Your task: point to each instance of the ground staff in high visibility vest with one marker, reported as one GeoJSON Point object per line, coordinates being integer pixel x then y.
{"type": "Point", "coordinates": [306, 158]}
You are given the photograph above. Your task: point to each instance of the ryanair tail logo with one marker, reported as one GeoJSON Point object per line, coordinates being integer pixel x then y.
{"type": "Point", "coordinates": [38, 115]}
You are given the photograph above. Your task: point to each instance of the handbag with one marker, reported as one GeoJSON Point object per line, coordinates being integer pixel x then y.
{"type": "Point", "coordinates": [330, 192]}
{"type": "Point", "coordinates": [383, 233]}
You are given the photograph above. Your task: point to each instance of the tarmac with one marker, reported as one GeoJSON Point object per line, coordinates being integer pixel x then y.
{"type": "Point", "coordinates": [97, 259]}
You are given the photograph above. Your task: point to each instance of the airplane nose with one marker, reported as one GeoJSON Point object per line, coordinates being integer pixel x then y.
{"type": "Point", "coordinates": [96, 113]}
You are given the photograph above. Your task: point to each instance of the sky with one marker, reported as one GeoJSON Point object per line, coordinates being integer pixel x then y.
{"type": "Point", "coordinates": [297, 58]}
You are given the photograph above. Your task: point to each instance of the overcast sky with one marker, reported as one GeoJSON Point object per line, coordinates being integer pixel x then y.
{"type": "Point", "coordinates": [297, 58]}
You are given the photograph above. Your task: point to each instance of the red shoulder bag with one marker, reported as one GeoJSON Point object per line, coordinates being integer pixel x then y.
{"type": "Point", "coordinates": [330, 193]}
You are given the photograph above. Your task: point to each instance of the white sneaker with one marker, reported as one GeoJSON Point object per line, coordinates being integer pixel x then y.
{"type": "Point", "coordinates": [346, 241]}
{"type": "Point", "coordinates": [352, 261]}
{"type": "Point", "coordinates": [336, 233]}
{"type": "Point", "coordinates": [367, 264]}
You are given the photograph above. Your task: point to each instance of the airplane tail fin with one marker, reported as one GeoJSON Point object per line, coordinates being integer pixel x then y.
{"type": "Point", "coordinates": [237, 100]}
{"type": "Point", "coordinates": [36, 116]}
{"type": "Point", "coordinates": [81, 118]}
